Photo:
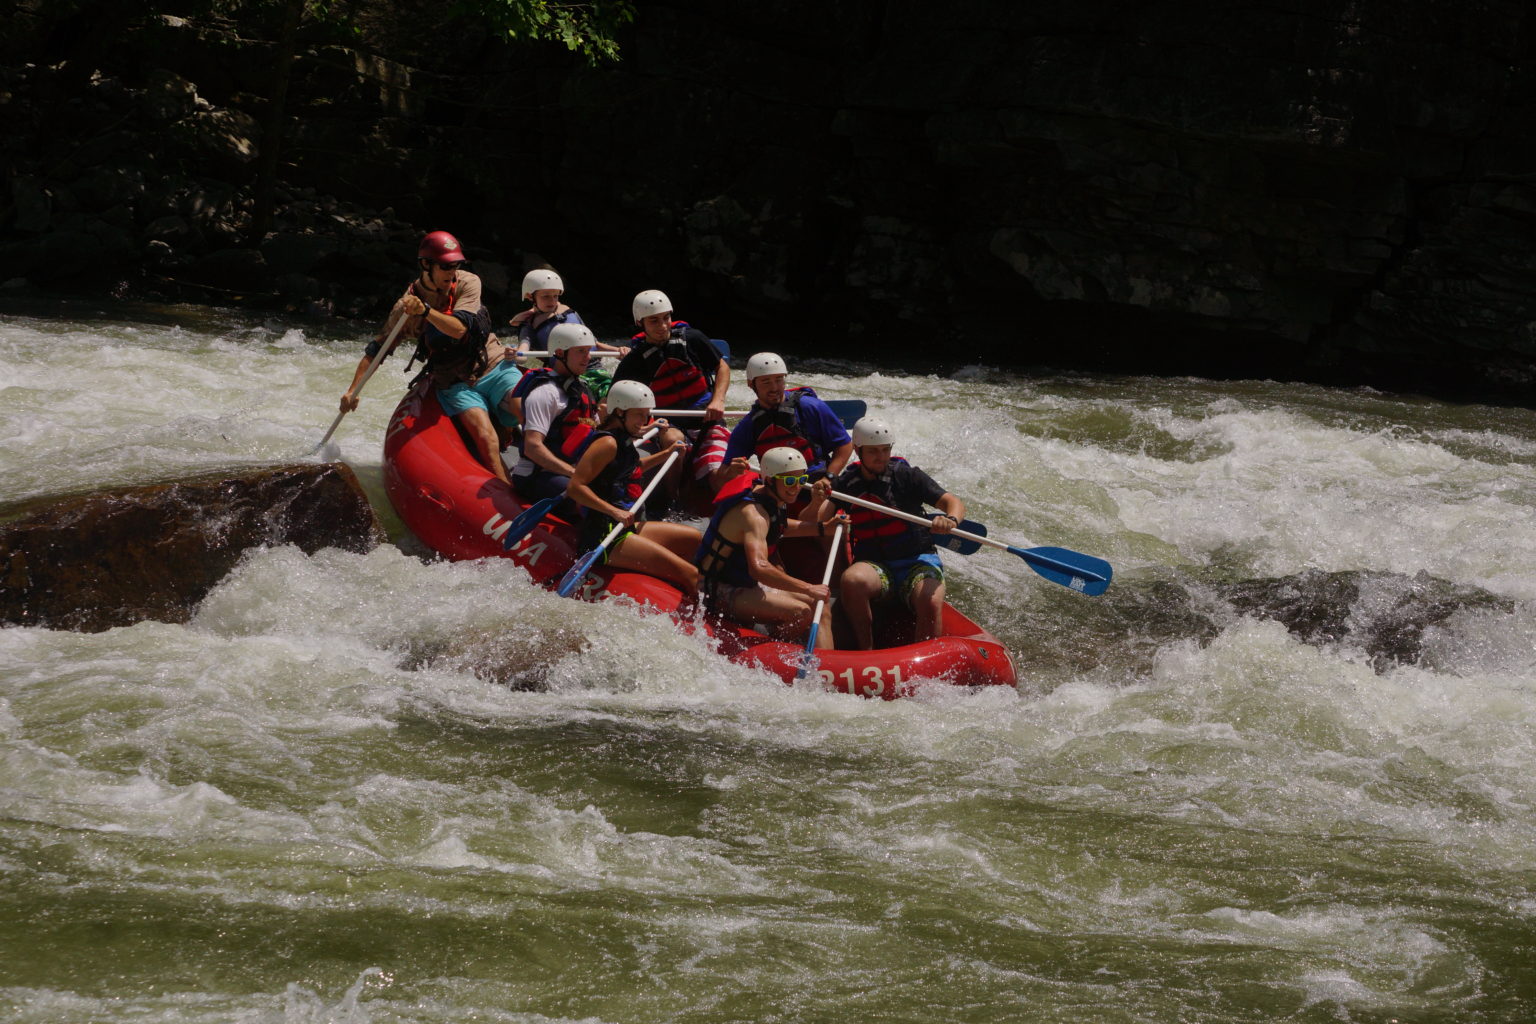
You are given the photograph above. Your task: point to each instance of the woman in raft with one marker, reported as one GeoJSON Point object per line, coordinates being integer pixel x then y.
{"type": "Point", "coordinates": [607, 481]}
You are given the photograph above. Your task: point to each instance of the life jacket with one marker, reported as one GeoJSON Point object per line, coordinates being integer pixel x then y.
{"type": "Point", "coordinates": [878, 537]}
{"type": "Point", "coordinates": [532, 379]}
{"type": "Point", "coordinates": [459, 358]}
{"type": "Point", "coordinates": [538, 337]}
{"type": "Point", "coordinates": [619, 482]}
{"type": "Point", "coordinates": [780, 428]}
{"type": "Point", "coordinates": [423, 351]}
{"type": "Point", "coordinates": [568, 433]}
{"type": "Point", "coordinates": [723, 561]}
{"type": "Point", "coordinates": [677, 381]}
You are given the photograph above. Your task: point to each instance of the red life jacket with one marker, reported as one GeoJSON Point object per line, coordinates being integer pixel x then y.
{"type": "Point", "coordinates": [780, 427]}
{"type": "Point", "coordinates": [568, 434]}
{"type": "Point", "coordinates": [677, 381]}
{"type": "Point", "coordinates": [876, 536]}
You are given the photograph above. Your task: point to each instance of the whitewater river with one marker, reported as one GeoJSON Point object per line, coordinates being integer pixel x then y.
{"type": "Point", "coordinates": [312, 803]}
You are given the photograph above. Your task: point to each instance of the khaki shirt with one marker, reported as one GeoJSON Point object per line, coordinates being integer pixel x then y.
{"type": "Point", "coordinates": [466, 296]}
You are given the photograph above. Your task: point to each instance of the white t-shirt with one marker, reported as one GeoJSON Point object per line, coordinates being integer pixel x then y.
{"type": "Point", "coordinates": [540, 410]}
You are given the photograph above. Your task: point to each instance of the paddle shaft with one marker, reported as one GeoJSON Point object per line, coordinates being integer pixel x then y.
{"type": "Point", "coordinates": [545, 355]}
{"type": "Point", "coordinates": [384, 350]}
{"type": "Point", "coordinates": [826, 579]}
{"type": "Point", "coordinates": [919, 520]}
{"type": "Point", "coordinates": [1038, 558]}
{"type": "Point", "coordinates": [694, 412]}
{"type": "Point", "coordinates": [848, 411]}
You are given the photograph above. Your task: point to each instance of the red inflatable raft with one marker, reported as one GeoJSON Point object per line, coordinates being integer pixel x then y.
{"type": "Point", "coordinates": [458, 509]}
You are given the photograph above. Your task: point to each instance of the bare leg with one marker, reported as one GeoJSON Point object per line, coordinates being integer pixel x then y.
{"type": "Point", "coordinates": [642, 554]}
{"type": "Point", "coordinates": [787, 614]}
{"type": "Point", "coordinates": [478, 425]}
{"type": "Point", "coordinates": [678, 538]}
{"type": "Point", "coordinates": [859, 588]}
{"type": "Point", "coordinates": [928, 608]}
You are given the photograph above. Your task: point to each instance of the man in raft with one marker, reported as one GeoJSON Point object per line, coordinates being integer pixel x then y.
{"type": "Point", "coordinates": [444, 316]}
{"type": "Point", "coordinates": [893, 558]}
{"type": "Point", "coordinates": [740, 577]}
{"type": "Point", "coordinates": [559, 415]}
{"type": "Point", "coordinates": [685, 370]}
{"type": "Point", "coordinates": [783, 416]}
{"type": "Point", "coordinates": [606, 482]}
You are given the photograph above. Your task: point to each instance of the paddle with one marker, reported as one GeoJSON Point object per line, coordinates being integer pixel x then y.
{"type": "Point", "coordinates": [826, 577]}
{"type": "Point", "coordinates": [1073, 570]}
{"type": "Point", "coordinates": [384, 350]}
{"type": "Point", "coordinates": [725, 352]}
{"type": "Point", "coordinates": [958, 544]}
{"type": "Point", "coordinates": [534, 514]}
{"type": "Point", "coordinates": [529, 518]}
{"type": "Point", "coordinates": [850, 411]}
{"type": "Point", "coordinates": [546, 355]}
{"type": "Point", "coordinates": [576, 572]}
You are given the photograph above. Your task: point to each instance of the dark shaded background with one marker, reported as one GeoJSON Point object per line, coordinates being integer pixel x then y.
{"type": "Point", "coordinates": [1334, 191]}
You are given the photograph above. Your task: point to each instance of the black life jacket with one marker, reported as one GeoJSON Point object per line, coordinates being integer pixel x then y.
{"type": "Point", "coordinates": [780, 428]}
{"type": "Point", "coordinates": [677, 380]}
{"type": "Point", "coordinates": [723, 561]}
{"type": "Point", "coordinates": [619, 482]}
{"type": "Point", "coordinates": [461, 358]}
{"type": "Point", "coordinates": [878, 537]}
{"type": "Point", "coordinates": [421, 351]}
{"type": "Point", "coordinates": [568, 434]}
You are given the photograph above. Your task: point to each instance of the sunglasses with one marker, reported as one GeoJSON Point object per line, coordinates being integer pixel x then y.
{"type": "Point", "coordinates": [793, 480]}
{"type": "Point", "coordinates": [449, 266]}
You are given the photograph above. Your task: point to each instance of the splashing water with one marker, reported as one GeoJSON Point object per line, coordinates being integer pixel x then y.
{"type": "Point", "coordinates": [321, 800]}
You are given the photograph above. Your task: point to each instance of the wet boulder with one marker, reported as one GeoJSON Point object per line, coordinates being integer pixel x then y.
{"type": "Point", "coordinates": [512, 654]}
{"type": "Point", "coordinates": [114, 558]}
{"type": "Point", "coordinates": [1384, 614]}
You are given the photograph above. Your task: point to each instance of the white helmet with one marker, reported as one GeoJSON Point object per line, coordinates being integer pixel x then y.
{"type": "Point", "coordinates": [648, 303]}
{"type": "Point", "coordinates": [566, 336]}
{"type": "Point", "coordinates": [630, 394]}
{"type": "Point", "coordinates": [539, 280]}
{"type": "Point", "coordinates": [764, 364]}
{"type": "Point", "coordinates": [872, 431]}
{"type": "Point", "coordinates": [781, 460]}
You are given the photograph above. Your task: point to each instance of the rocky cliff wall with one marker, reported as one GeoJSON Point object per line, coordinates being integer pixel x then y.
{"type": "Point", "coordinates": [1339, 191]}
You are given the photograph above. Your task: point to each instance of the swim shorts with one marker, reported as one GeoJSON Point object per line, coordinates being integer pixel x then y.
{"type": "Point", "coordinates": [485, 393]}
{"type": "Point", "coordinates": [902, 575]}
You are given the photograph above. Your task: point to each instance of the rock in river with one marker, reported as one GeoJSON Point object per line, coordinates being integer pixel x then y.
{"type": "Point", "coordinates": [117, 557]}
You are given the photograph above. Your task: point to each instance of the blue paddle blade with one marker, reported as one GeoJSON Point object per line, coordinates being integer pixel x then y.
{"type": "Point", "coordinates": [808, 656]}
{"type": "Point", "coordinates": [523, 525]}
{"type": "Point", "coordinates": [1072, 569]}
{"type": "Point", "coordinates": [849, 410]}
{"type": "Point", "coordinates": [573, 575]}
{"type": "Point", "coordinates": [721, 347]}
{"type": "Point", "coordinates": [962, 545]}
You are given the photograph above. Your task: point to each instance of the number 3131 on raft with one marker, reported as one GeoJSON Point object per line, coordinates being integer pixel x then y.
{"type": "Point", "coordinates": [874, 682]}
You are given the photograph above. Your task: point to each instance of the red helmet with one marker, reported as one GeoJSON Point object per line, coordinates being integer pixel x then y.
{"type": "Point", "coordinates": [442, 247]}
